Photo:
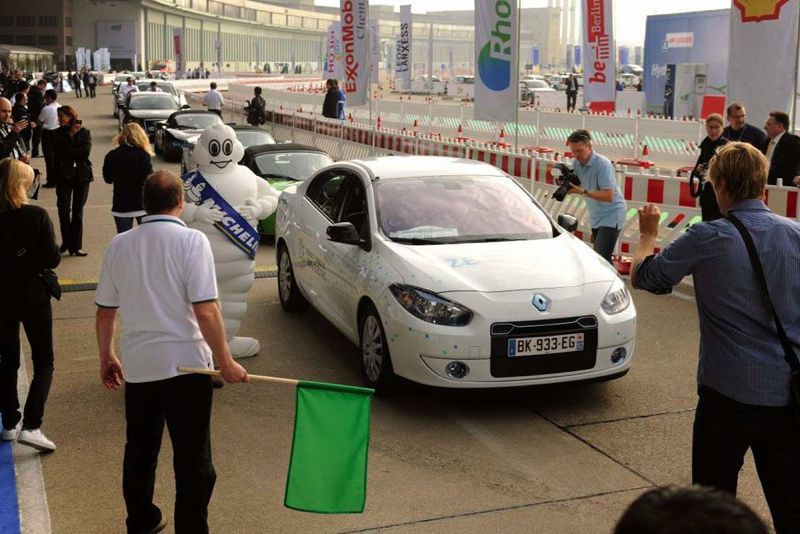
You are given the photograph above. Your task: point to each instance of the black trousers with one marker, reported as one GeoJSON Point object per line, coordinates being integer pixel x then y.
{"type": "Point", "coordinates": [38, 324]}
{"type": "Point", "coordinates": [217, 111]}
{"type": "Point", "coordinates": [91, 91]}
{"type": "Point", "coordinates": [49, 155]}
{"type": "Point", "coordinates": [71, 195]}
{"type": "Point", "coordinates": [723, 431]}
{"type": "Point", "coordinates": [36, 139]}
{"type": "Point", "coordinates": [604, 239]}
{"type": "Point", "coordinates": [572, 99]}
{"type": "Point", "coordinates": [125, 223]}
{"type": "Point", "coordinates": [184, 403]}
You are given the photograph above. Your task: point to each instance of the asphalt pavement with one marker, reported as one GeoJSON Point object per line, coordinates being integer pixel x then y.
{"type": "Point", "coordinates": [561, 459]}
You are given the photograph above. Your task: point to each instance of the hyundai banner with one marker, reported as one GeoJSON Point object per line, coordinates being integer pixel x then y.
{"type": "Point", "coordinates": [763, 55]}
{"type": "Point", "coordinates": [404, 58]}
{"type": "Point", "coordinates": [333, 55]}
{"type": "Point", "coordinates": [497, 60]}
{"type": "Point", "coordinates": [599, 70]}
{"type": "Point", "coordinates": [355, 50]}
{"type": "Point", "coordinates": [177, 48]}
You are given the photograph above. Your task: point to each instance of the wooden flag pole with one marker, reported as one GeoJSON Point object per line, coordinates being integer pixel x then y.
{"type": "Point", "coordinates": [253, 378]}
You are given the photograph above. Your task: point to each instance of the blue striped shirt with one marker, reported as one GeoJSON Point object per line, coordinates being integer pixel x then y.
{"type": "Point", "coordinates": [740, 353]}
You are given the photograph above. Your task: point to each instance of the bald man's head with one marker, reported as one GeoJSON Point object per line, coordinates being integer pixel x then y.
{"type": "Point", "coordinates": [5, 111]}
{"type": "Point", "coordinates": [162, 193]}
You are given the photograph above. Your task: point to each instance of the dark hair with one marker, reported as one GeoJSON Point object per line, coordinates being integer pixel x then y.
{"type": "Point", "coordinates": [257, 90]}
{"type": "Point", "coordinates": [689, 510]}
{"type": "Point", "coordinates": [19, 95]}
{"type": "Point", "coordinates": [51, 94]}
{"type": "Point", "coordinates": [22, 85]}
{"type": "Point", "coordinates": [153, 83]}
{"type": "Point", "coordinates": [42, 82]}
{"type": "Point", "coordinates": [162, 192]}
{"type": "Point", "coordinates": [213, 85]}
{"type": "Point", "coordinates": [70, 112]}
{"type": "Point", "coordinates": [736, 106]}
{"type": "Point", "coordinates": [580, 136]}
{"type": "Point", "coordinates": [781, 118]}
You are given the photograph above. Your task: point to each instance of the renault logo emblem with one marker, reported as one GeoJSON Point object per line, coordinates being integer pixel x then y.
{"type": "Point", "coordinates": [540, 302]}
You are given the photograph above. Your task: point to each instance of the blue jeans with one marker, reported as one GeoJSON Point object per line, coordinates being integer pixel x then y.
{"type": "Point", "coordinates": [604, 239]}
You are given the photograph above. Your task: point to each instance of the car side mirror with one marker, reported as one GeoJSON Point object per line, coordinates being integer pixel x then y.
{"type": "Point", "coordinates": [568, 222]}
{"type": "Point", "coordinates": [344, 232]}
{"type": "Point", "coordinates": [186, 106]}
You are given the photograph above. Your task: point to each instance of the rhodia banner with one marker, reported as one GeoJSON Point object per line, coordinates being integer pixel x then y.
{"type": "Point", "coordinates": [355, 50]}
{"type": "Point", "coordinates": [333, 54]}
{"type": "Point", "coordinates": [763, 55]}
{"type": "Point", "coordinates": [599, 65]}
{"type": "Point", "coordinates": [404, 58]}
{"type": "Point", "coordinates": [496, 57]}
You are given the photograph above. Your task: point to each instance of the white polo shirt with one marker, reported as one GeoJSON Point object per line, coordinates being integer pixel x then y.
{"type": "Point", "coordinates": [153, 274]}
{"type": "Point", "coordinates": [127, 89]}
{"type": "Point", "coordinates": [48, 117]}
{"type": "Point", "coordinates": [213, 100]}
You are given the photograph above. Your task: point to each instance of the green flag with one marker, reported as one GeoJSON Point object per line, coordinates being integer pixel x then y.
{"type": "Point", "coordinates": [328, 467]}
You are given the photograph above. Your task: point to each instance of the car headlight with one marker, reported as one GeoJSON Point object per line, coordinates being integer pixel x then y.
{"type": "Point", "coordinates": [430, 307]}
{"type": "Point", "coordinates": [617, 299]}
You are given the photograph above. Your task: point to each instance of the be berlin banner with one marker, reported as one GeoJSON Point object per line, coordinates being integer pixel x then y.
{"type": "Point", "coordinates": [177, 45]}
{"type": "Point", "coordinates": [374, 50]}
{"type": "Point", "coordinates": [762, 36]}
{"type": "Point", "coordinates": [599, 65]}
{"type": "Point", "coordinates": [497, 60]}
{"type": "Point", "coordinates": [404, 59]}
{"type": "Point", "coordinates": [355, 50]}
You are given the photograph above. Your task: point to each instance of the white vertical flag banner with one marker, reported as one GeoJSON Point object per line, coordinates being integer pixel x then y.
{"type": "Point", "coordinates": [218, 46]}
{"type": "Point", "coordinates": [763, 35]}
{"type": "Point", "coordinates": [333, 52]}
{"type": "Point", "coordinates": [430, 56]}
{"type": "Point", "coordinates": [177, 47]}
{"type": "Point", "coordinates": [374, 47]}
{"type": "Point", "coordinates": [599, 65]}
{"type": "Point", "coordinates": [496, 57]}
{"type": "Point", "coordinates": [405, 59]}
{"type": "Point", "coordinates": [355, 48]}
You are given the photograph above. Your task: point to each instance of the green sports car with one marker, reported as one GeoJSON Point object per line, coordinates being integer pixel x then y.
{"type": "Point", "coordinates": [283, 165]}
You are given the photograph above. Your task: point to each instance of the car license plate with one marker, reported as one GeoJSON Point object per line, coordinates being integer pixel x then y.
{"type": "Point", "coordinates": [532, 346]}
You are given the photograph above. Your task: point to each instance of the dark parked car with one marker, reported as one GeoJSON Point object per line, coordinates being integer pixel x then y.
{"type": "Point", "coordinates": [148, 109]}
{"type": "Point", "coordinates": [181, 130]}
{"type": "Point", "coordinates": [246, 134]}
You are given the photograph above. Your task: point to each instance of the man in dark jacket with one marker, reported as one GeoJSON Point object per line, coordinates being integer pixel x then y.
{"type": "Point", "coordinates": [35, 105]}
{"type": "Point", "coordinates": [331, 103]}
{"type": "Point", "coordinates": [11, 144]}
{"type": "Point", "coordinates": [739, 130]}
{"type": "Point", "coordinates": [782, 149]}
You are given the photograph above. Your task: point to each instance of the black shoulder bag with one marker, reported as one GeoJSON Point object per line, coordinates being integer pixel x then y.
{"type": "Point", "coordinates": [788, 350]}
{"type": "Point", "coordinates": [48, 277]}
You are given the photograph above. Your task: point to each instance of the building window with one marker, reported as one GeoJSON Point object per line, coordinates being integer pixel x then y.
{"type": "Point", "coordinates": [48, 22]}
{"type": "Point", "coordinates": [47, 40]}
{"type": "Point", "coordinates": [26, 21]}
{"type": "Point", "coordinates": [216, 8]}
{"type": "Point", "coordinates": [250, 14]}
{"type": "Point", "coordinates": [26, 40]}
{"type": "Point", "coordinates": [233, 12]}
{"type": "Point", "coordinates": [68, 22]}
{"type": "Point", "coordinates": [68, 40]}
{"type": "Point", "coordinates": [6, 21]}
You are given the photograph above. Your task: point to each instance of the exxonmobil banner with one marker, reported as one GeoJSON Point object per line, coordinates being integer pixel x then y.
{"type": "Point", "coordinates": [497, 58]}
{"type": "Point", "coordinates": [333, 52]}
{"type": "Point", "coordinates": [404, 58]}
{"type": "Point", "coordinates": [763, 52]}
{"type": "Point", "coordinates": [599, 65]}
{"type": "Point", "coordinates": [355, 50]}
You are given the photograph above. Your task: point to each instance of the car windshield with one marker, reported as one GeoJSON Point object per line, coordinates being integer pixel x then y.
{"type": "Point", "coordinates": [199, 121]}
{"type": "Point", "coordinates": [296, 165]}
{"type": "Point", "coordinates": [152, 102]}
{"type": "Point", "coordinates": [120, 79]}
{"type": "Point", "coordinates": [458, 209]}
{"type": "Point", "coordinates": [165, 87]}
{"type": "Point", "coordinates": [251, 138]}
{"type": "Point", "coordinates": [535, 84]}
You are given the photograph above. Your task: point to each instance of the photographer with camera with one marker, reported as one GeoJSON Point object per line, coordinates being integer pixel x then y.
{"type": "Point", "coordinates": [708, 149]}
{"type": "Point", "coordinates": [598, 186]}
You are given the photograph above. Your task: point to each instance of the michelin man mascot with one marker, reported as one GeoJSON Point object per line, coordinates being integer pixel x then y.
{"type": "Point", "coordinates": [225, 201]}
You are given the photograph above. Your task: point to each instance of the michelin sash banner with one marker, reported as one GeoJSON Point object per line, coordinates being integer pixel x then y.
{"type": "Point", "coordinates": [497, 60]}
{"type": "Point", "coordinates": [763, 52]}
{"type": "Point", "coordinates": [355, 50]}
{"type": "Point", "coordinates": [599, 65]}
{"type": "Point", "coordinates": [404, 58]}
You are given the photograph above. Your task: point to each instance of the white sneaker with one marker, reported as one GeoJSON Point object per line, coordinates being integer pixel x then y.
{"type": "Point", "coordinates": [10, 434]}
{"type": "Point", "coordinates": [36, 439]}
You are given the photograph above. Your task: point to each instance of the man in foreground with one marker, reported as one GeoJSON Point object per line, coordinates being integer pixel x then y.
{"type": "Point", "coordinates": [161, 278]}
{"type": "Point", "coordinates": [743, 375]}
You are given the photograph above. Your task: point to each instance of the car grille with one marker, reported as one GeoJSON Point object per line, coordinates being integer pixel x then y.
{"type": "Point", "coordinates": [503, 366]}
{"type": "Point", "coordinates": [150, 126]}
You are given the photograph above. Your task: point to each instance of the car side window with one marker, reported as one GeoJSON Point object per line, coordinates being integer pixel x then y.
{"type": "Point", "coordinates": [354, 209]}
{"type": "Point", "coordinates": [325, 192]}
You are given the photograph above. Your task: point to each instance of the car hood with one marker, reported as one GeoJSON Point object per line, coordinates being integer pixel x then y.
{"type": "Point", "coordinates": [564, 261]}
{"type": "Point", "coordinates": [150, 113]}
{"type": "Point", "coordinates": [188, 136]}
{"type": "Point", "coordinates": [281, 183]}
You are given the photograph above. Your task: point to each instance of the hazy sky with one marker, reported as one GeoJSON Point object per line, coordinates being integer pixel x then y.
{"type": "Point", "coordinates": [629, 15]}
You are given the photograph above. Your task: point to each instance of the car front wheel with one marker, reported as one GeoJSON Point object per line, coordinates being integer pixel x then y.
{"type": "Point", "coordinates": [376, 362]}
{"type": "Point", "coordinates": [288, 291]}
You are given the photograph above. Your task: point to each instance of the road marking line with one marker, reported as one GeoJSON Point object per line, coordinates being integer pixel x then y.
{"type": "Point", "coordinates": [34, 513]}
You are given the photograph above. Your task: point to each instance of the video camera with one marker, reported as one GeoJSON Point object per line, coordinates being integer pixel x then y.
{"type": "Point", "coordinates": [564, 176]}
{"type": "Point", "coordinates": [698, 174]}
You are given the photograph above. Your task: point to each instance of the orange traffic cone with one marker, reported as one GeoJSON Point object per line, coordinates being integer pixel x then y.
{"type": "Point", "coordinates": [350, 117]}
{"type": "Point", "coordinates": [379, 122]}
{"type": "Point", "coordinates": [460, 132]}
{"type": "Point", "coordinates": [502, 138]}
{"type": "Point", "coordinates": [645, 151]}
